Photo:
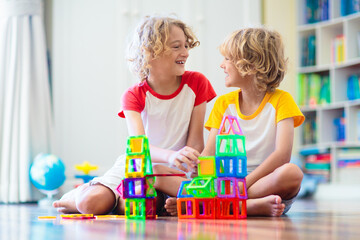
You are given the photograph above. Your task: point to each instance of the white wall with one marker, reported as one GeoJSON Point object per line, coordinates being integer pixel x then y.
{"type": "Point", "coordinates": [88, 40]}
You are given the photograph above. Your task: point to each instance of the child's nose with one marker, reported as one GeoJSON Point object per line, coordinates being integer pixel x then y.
{"type": "Point", "coordinates": [185, 52]}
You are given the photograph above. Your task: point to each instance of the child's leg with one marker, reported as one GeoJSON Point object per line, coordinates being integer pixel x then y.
{"type": "Point", "coordinates": [266, 195]}
{"type": "Point", "coordinates": [169, 186]}
{"type": "Point", "coordinates": [284, 181]}
{"type": "Point", "coordinates": [95, 199]}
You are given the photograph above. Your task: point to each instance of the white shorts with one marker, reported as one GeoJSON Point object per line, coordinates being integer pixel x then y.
{"type": "Point", "coordinates": [113, 176]}
{"type": "Point", "coordinates": [116, 173]}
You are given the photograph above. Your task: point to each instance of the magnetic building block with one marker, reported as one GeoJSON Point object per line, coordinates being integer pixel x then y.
{"type": "Point", "coordinates": [230, 145]}
{"type": "Point", "coordinates": [207, 167]}
{"type": "Point", "coordinates": [202, 198]}
{"type": "Point", "coordinates": [230, 125]}
{"type": "Point", "coordinates": [202, 187]}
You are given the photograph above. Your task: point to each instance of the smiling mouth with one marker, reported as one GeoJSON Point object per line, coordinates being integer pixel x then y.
{"type": "Point", "coordinates": [180, 62]}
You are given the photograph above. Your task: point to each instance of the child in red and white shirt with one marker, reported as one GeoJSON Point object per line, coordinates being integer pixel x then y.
{"type": "Point", "coordinates": [168, 105]}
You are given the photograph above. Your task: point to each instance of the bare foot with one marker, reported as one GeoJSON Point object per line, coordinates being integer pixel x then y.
{"type": "Point", "coordinates": [266, 206]}
{"type": "Point", "coordinates": [171, 206]}
{"type": "Point", "coordinates": [66, 204]}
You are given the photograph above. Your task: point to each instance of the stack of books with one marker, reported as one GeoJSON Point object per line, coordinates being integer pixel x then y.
{"type": "Point", "coordinates": [318, 164]}
{"type": "Point", "coordinates": [348, 158]}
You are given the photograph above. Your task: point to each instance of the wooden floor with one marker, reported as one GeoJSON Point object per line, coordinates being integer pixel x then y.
{"type": "Point", "coordinates": [308, 219]}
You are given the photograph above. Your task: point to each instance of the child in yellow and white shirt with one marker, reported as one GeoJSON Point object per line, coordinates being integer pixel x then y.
{"type": "Point", "coordinates": [254, 62]}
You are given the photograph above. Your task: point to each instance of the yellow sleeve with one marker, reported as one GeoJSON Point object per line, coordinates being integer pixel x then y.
{"type": "Point", "coordinates": [216, 115]}
{"type": "Point", "coordinates": [287, 108]}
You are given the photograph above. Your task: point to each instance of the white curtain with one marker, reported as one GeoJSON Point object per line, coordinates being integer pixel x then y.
{"type": "Point", "coordinates": [25, 101]}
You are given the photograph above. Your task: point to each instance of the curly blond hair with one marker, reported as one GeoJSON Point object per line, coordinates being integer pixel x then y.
{"type": "Point", "coordinates": [149, 41]}
{"type": "Point", "coordinates": [257, 51]}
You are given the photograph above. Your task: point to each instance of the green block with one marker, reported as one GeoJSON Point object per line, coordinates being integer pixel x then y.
{"type": "Point", "coordinates": [135, 208]}
{"type": "Point", "coordinates": [202, 187]}
{"type": "Point", "coordinates": [230, 145]}
{"type": "Point", "coordinates": [138, 145]}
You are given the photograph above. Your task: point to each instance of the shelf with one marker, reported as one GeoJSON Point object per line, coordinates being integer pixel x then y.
{"type": "Point", "coordinates": [329, 60]}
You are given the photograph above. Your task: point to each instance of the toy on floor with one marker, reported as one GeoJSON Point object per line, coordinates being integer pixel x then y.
{"type": "Point", "coordinates": [47, 173]}
{"type": "Point", "coordinates": [219, 191]}
{"type": "Point", "coordinates": [86, 167]}
{"type": "Point", "coordinates": [138, 172]}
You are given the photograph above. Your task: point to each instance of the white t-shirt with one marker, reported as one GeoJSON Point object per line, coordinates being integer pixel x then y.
{"type": "Point", "coordinates": [260, 127]}
{"type": "Point", "coordinates": [166, 118]}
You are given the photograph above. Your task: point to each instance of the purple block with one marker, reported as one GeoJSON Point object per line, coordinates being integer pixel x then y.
{"type": "Point", "coordinates": [129, 188]}
{"type": "Point", "coordinates": [233, 183]}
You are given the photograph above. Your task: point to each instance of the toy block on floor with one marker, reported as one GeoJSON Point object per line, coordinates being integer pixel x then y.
{"type": "Point", "coordinates": [231, 166]}
{"type": "Point", "coordinates": [138, 160]}
{"type": "Point", "coordinates": [182, 193]}
{"type": "Point", "coordinates": [226, 187]}
{"type": "Point", "coordinates": [149, 187]}
{"type": "Point", "coordinates": [150, 208]}
{"type": "Point", "coordinates": [130, 188]}
{"type": "Point", "coordinates": [186, 208]}
{"type": "Point", "coordinates": [138, 166]}
{"type": "Point", "coordinates": [241, 191]}
{"type": "Point", "coordinates": [137, 145]}
{"type": "Point", "coordinates": [241, 167]}
{"type": "Point", "coordinates": [202, 187]}
{"type": "Point", "coordinates": [207, 167]}
{"type": "Point", "coordinates": [135, 208]}
{"type": "Point", "coordinates": [226, 199]}
{"type": "Point", "coordinates": [240, 209]}
{"type": "Point", "coordinates": [205, 208]}
{"type": "Point", "coordinates": [230, 125]}
{"type": "Point", "coordinates": [225, 166]}
{"type": "Point", "coordinates": [230, 145]}
{"type": "Point", "coordinates": [230, 208]}
{"type": "Point", "coordinates": [120, 189]}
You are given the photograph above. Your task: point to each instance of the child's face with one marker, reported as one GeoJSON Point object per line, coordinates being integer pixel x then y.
{"type": "Point", "coordinates": [172, 63]}
{"type": "Point", "coordinates": [233, 77]}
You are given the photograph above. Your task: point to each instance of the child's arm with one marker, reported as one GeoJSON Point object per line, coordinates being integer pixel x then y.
{"type": "Point", "coordinates": [196, 129]}
{"type": "Point", "coordinates": [211, 143]}
{"type": "Point", "coordinates": [281, 155]}
{"type": "Point", "coordinates": [185, 155]}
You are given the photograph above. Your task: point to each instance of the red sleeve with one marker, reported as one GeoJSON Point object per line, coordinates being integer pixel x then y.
{"type": "Point", "coordinates": [133, 99]}
{"type": "Point", "coordinates": [202, 87]}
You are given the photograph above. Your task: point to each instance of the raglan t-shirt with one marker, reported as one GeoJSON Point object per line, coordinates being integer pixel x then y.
{"type": "Point", "coordinates": [166, 118]}
{"type": "Point", "coordinates": [260, 127]}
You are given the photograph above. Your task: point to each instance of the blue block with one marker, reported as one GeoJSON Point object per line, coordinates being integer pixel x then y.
{"type": "Point", "coordinates": [228, 166]}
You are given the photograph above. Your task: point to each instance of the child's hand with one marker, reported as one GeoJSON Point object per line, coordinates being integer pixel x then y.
{"type": "Point", "coordinates": [187, 156]}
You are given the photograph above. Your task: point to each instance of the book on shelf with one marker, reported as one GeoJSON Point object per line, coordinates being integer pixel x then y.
{"type": "Point", "coordinates": [353, 87]}
{"type": "Point", "coordinates": [358, 42]}
{"type": "Point", "coordinates": [313, 89]}
{"type": "Point", "coordinates": [338, 49]}
{"type": "Point", "coordinates": [314, 151]}
{"type": "Point", "coordinates": [348, 157]}
{"type": "Point", "coordinates": [316, 11]}
{"type": "Point", "coordinates": [318, 158]}
{"type": "Point", "coordinates": [318, 163]}
{"type": "Point", "coordinates": [340, 129]}
{"type": "Point", "coordinates": [349, 7]}
{"type": "Point", "coordinates": [308, 54]}
{"type": "Point", "coordinates": [309, 131]}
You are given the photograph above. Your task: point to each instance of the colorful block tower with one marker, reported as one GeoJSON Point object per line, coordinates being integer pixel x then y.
{"type": "Point", "coordinates": [219, 190]}
{"type": "Point", "coordinates": [138, 186]}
